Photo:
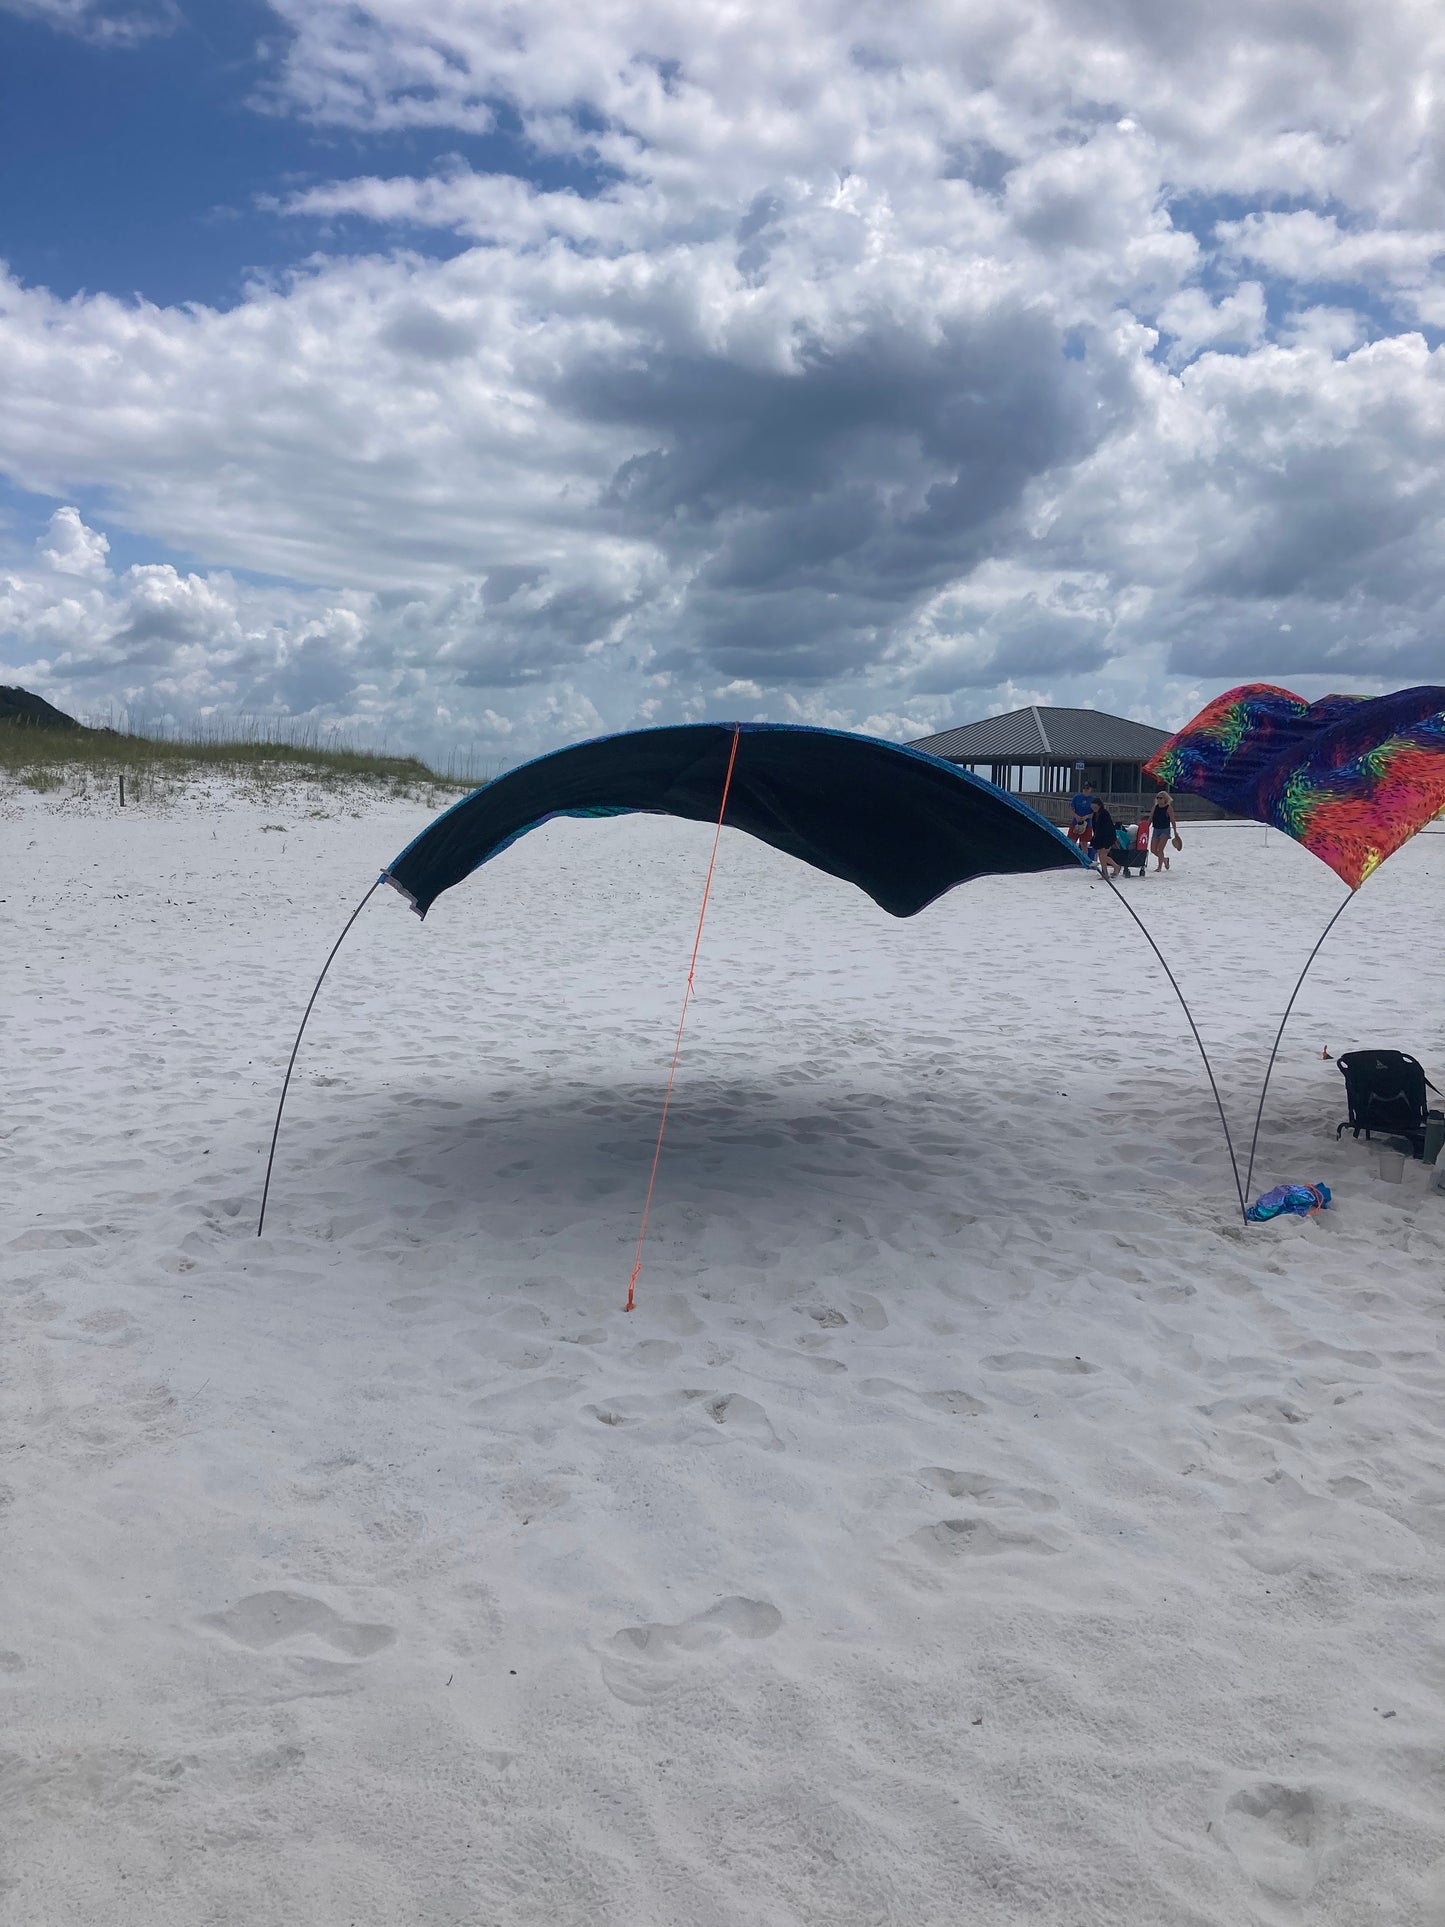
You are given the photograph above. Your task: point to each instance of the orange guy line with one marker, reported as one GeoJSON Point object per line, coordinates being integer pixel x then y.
{"type": "Point", "coordinates": [682, 1019]}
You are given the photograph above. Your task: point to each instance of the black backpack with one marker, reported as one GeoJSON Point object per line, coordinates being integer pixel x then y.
{"type": "Point", "coordinates": [1386, 1092]}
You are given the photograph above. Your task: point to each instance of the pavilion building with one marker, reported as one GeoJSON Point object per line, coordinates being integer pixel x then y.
{"type": "Point", "coordinates": [1044, 755]}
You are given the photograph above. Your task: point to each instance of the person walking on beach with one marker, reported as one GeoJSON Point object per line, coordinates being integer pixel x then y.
{"type": "Point", "coordinates": [1104, 838]}
{"type": "Point", "coordinates": [1081, 830]}
{"type": "Point", "coordinates": [1162, 827]}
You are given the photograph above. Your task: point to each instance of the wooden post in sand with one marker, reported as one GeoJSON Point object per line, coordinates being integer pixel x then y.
{"type": "Point", "coordinates": [122, 789]}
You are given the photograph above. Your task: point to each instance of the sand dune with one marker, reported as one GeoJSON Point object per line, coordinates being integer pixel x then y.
{"type": "Point", "coordinates": [973, 1522]}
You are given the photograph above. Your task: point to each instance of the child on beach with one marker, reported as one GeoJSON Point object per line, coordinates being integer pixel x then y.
{"type": "Point", "coordinates": [1162, 827]}
{"type": "Point", "coordinates": [1081, 830]}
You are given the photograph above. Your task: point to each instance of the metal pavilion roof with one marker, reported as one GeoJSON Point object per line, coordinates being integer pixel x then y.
{"type": "Point", "coordinates": [1044, 735]}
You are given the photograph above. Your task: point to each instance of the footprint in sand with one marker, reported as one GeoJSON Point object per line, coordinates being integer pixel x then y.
{"type": "Point", "coordinates": [1277, 1834]}
{"type": "Point", "coordinates": [956, 1404]}
{"type": "Point", "coordinates": [870, 1314]}
{"type": "Point", "coordinates": [635, 1411]}
{"type": "Point", "coordinates": [1036, 1362]}
{"type": "Point", "coordinates": [110, 1318]}
{"type": "Point", "coordinates": [522, 1405]}
{"type": "Point", "coordinates": [533, 1499]}
{"type": "Point", "coordinates": [523, 1318]}
{"type": "Point", "coordinates": [646, 1663]}
{"type": "Point", "coordinates": [976, 1538]}
{"type": "Point", "coordinates": [653, 1353]}
{"type": "Point", "coordinates": [55, 1238]}
{"type": "Point", "coordinates": [39, 1308]}
{"type": "Point", "coordinates": [265, 1619]}
{"type": "Point", "coordinates": [807, 1343]}
{"type": "Point", "coordinates": [986, 1491]}
{"type": "Point", "coordinates": [735, 1416]}
{"type": "Point", "coordinates": [743, 1418]}
{"type": "Point", "coordinates": [517, 1354]}
{"type": "Point", "coordinates": [1276, 1416]}
{"type": "Point", "coordinates": [676, 1315]}
{"type": "Point", "coordinates": [110, 1327]}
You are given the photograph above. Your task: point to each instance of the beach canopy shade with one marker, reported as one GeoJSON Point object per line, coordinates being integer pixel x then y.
{"type": "Point", "coordinates": [1350, 777]}
{"type": "Point", "coordinates": [902, 825]}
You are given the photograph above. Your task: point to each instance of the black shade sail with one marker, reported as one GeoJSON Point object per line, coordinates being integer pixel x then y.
{"type": "Point", "coordinates": [903, 826]}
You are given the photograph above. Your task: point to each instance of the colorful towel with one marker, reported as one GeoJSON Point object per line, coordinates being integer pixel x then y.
{"type": "Point", "coordinates": [1350, 777]}
{"type": "Point", "coordinates": [1301, 1199]}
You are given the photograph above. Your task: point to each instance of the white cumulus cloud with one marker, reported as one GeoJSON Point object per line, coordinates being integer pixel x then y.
{"type": "Point", "coordinates": [840, 362]}
{"type": "Point", "coordinates": [70, 548]}
{"type": "Point", "coordinates": [99, 21]}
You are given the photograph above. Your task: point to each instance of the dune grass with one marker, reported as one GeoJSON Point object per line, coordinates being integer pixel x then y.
{"type": "Point", "coordinates": [257, 752]}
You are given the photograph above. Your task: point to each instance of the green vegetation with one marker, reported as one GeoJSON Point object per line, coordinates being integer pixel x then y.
{"type": "Point", "coordinates": [258, 753]}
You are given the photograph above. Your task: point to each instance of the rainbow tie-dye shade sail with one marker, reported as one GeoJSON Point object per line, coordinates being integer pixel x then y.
{"type": "Point", "coordinates": [1350, 777]}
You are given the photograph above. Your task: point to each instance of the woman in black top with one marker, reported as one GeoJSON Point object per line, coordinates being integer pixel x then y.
{"type": "Point", "coordinates": [1105, 835]}
{"type": "Point", "coordinates": [1161, 827]}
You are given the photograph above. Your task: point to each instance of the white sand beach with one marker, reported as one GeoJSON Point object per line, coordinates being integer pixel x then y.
{"type": "Point", "coordinates": [974, 1523]}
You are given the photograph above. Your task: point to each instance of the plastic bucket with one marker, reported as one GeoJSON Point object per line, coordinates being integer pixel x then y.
{"type": "Point", "coordinates": [1392, 1165]}
{"type": "Point", "coordinates": [1434, 1135]}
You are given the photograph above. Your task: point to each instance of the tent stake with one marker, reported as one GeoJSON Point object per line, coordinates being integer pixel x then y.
{"type": "Point", "coordinates": [286, 1084]}
{"type": "Point", "coordinates": [1208, 1067]}
{"type": "Point", "coordinates": [1269, 1068]}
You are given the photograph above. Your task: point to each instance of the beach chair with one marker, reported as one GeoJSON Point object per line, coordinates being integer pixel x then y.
{"type": "Point", "coordinates": [1385, 1090]}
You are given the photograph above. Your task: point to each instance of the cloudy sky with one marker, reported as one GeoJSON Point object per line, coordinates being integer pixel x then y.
{"type": "Point", "coordinates": [489, 374]}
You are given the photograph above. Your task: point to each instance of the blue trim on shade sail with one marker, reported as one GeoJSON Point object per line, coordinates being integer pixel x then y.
{"type": "Point", "coordinates": [902, 825]}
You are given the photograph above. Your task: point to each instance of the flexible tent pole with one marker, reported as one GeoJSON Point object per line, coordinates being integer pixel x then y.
{"type": "Point", "coordinates": [1208, 1067]}
{"type": "Point", "coordinates": [1269, 1068]}
{"type": "Point", "coordinates": [286, 1084]}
